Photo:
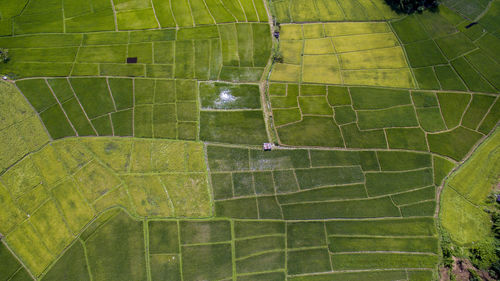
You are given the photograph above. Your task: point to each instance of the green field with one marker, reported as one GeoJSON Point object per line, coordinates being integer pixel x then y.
{"type": "Point", "coordinates": [154, 170]}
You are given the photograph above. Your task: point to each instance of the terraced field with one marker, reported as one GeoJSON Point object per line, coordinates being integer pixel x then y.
{"type": "Point", "coordinates": [153, 170]}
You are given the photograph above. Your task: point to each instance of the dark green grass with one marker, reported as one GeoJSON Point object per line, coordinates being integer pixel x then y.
{"type": "Point", "coordinates": [129, 70]}
{"type": "Point", "coordinates": [476, 111]}
{"type": "Point", "coordinates": [424, 99]}
{"type": "Point", "coordinates": [442, 167]}
{"type": "Point", "coordinates": [269, 208]}
{"type": "Point", "coordinates": [222, 186]}
{"type": "Point", "coordinates": [486, 66]}
{"type": "Point", "coordinates": [152, 35]}
{"type": "Point", "coordinates": [245, 208]}
{"type": "Point", "coordinates": [229, 96]}
{"type": "Point", "coordinates": [308, 261]}
{"type": "Point", "coordinates": [358, 244]}
{"type": "Point", "coordinates": [241, 74]}
{"type": "Point", "coordinates": [315, 105]}
{"type": "Point", "coordinates": [278, 159]}
{"type": "Point", "coordinates": [245, 50]}
{"type": "Point", "coordinates": [163, 237]}
{"type": "Point", "coordinates": [403, 116]}
{"type": "Point", "coordinates": [222, 158]}
{"type": "Point", "coordinates": [285, 116]}
{"type": "Point", "coordinates": [311, 131]}
{"type": "Point", "coordinates": [201, 32]}
{"type": "Point", "coordinates": [206, 262]}
{"type": "Point", "coordinates": [187, 111]}
{"type": "Point", "coordinates": [324, 194]}
{"type": "Point", "coordinates": [354, 138]}
{"type": "Point", "coordinates": [56, 123]}
{"type": "Point", "coordinates": [103, 54]}
{"type": "Point", "coordinates": [312, 90]}
{"type": "Point", "coordinates": [93, 95]}
{"type": "Point", "coordinates": [452, 107]}
{"type": "Point", "coordinates": [394, 182]}
{"type": "Point", "coordinates": [184, 59]}
{"type": "Point", "coordinates": [382, 260]}
{"type": "Point", "coordinates": [164, 52]}
{"type": "Point", "coordinates": [122, 122]}
{"type": "Point", "coordinates": [338, 96]}
{"type": "Point", "coordinates": [424, 53]}
{"type": "Point", "coordinates": [386, 227]}
{"type": "Point", "coordinates": [215, 59]}
{"type": "Point", "coordinates": [401, 160]}
{"type": "Point", "coordinates": [116, 250]}
{"type": "Point", "coordinates": [219, 12]}
{"type": "Point", "coordinates": [305, 234]}
{"type": "Point", "coordinates": [202, 59]}
{"type": "Point", "coordinates": [260, 263]}
{"type": "Point", "coordinates": [21, 275]}
{"type": "Point", "coordinates": [263, 182]}
{"type": "Point", "coordinates": [71, 266]}
{"type": "Point", "coordinates": [424, 209]}
{"type": "Point", "coordinates": [409, 30]}
{"type": "Point", "coordinates": [318, 177]}
{"type": "Point", "coordinates": [473, 80]}
{"type": "Point", "coordinates": [440, 23]}
{"type": "Point", "coordinates": [448, 79]}
{"type": "Point", "coordinates": [374, 98]}
{"type": "Point", "coordinates": [185, 90]}
{"type": "Point", "coordinates": [78, 118]}
{"type": "Point", "coordinates": [284, 181]}
{"type": "Point", "coordinates": [165, 267]}
{"type": "Point", "coordinates": [194, 232]}
{"type": "Point", "coordinates": [38, 93]}
{"type": "Point", "coordinates": [243, 127]}
{"type": "Point", "coordinates": [244, 229]}
{"type": "Point", "coordinates": [367, 159]}
{"type": "Point", "coordinates": [491, 118]}
{"type": "Point", "coordinates": [490, 43]}
{"type": "Point", "coordinates": [430, 119]}
{"type": "Point", "coordinates": [455, 45]}
{"type": "Point", "coordinates": [278, 101]}
{"type": "Point", "coordinates": [164, 121]}
{"type": "Point", "coordinates": [252, 246]}
{"type": "Point", "coordinates": [420, 275]}
{"type": "Point", "coordinates": [370, 208]}
{"type": "Point", "coordinates": [426, 78]}
{"type": "Point", "coordinates": [144, 91]}
{"type": "Point", "coordinates": [164, 91]}
{"type": "Point", "coordinates": [427, 193]}
{"type": "Point", "coordinates": [390, 275]}
{"type": "Point", "coordinates": [406, 138]}
{"type": "Point", "coordinates": [9, 264]}
{"type": "Point", "coordinates": [143, 121]}
{"type": "Point", "coordinates": [122, 91]}
{"type": "Point", "coordinates": [455, 144]}
{"type": "Point", "coordinates": [273, 276]}
{"type": "Point", "coordinates": [243, 184]}
{"type": "Point", "coordinates": [61, 89]}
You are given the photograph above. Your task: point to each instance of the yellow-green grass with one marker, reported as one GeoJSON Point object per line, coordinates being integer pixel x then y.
{"type": "Point", "coordinates": [364, 42]}
{"type": "Point", "coordinates": [464, 193]}
{"type": "Point", "coordinates": [20, 129]}
{"type": "Point", "coordinates": [397, 78]}
{"type": "Point", "coordinates": [58, 190]}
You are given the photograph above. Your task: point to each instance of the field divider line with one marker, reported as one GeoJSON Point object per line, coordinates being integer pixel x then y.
{"type": "Point", "coordinates": [62, 108]}
{"type": "Point", "coordinates": [270, 235]}
{"type": "Point", "coordinates": [385, 252]}
{"type": "Point", "coordinates": [401, 45]}
{"type": "Point", "coordinates": [145, 230]}
{"type": "Point", "coordinates": [179, 244]}
{"type": "Point", "coordinates": [487, 112]}
{"type": "Point", "coordinates": [328, 248]}
{"type": "Point", "coordinates": [159, 25]}
{"type": "Point", "coordinates": [233, 250]}
{"type": "Point", "coordinates": [81, 106]}
{"type": "Point", "coordinates": [380, 236]}
{"type": "Point", "coordinates": [256, 254]}
{"type": "Point", "coordinates": [114, 14]}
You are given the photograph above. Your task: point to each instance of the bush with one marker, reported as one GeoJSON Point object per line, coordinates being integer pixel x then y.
{"type": "Point", "coordinates": [447, 250]}
{"type": "Point", "coordinates": [411, 6]}
{"type": "Point", "coordinates": [483, 255]}
{"type": "Point", "coordinates": [473, 275]}
{"type": "Point", "coordinates": [4, 55]}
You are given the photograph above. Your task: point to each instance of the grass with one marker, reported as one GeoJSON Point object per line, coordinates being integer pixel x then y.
{"type": "Point", "coordinates": [206, 262]}
{"type": "Point", "coordinates": [308, 261]}
{"type": "Point", "coordinates": [311, 131]}
{"type": "Point", "coordinates": [356, 244]}
{"type": "Point", "coordinates": [382, 260]}
{"type": "Point", "coordinates": [392, 182]}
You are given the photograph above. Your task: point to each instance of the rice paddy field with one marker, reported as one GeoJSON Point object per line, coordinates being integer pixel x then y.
{"type": "Point", "coordinates": [131, 136]}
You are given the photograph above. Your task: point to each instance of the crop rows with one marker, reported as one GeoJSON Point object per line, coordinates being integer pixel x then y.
{"type": "Point", "coordinates": [351, 53]}
{"type": "Point", "coordinates": [222, 249]}
{"type": "Point", "coordinates": [225, 52]}
{"type": "Point", "coordinates": [51, 195]}
{"type": "Point", "coordinates": [446, 54]}
{"type": "Point", "coordinates": [73, 16]}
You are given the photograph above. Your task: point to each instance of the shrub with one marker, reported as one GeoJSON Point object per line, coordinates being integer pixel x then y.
{"type": "Point", "coordinates": [483, 254]}
{"type": "Point", "coordinates": [411, 6]}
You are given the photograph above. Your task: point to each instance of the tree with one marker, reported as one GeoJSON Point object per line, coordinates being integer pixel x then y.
{"type": "Point", "coordinates": [411, 6]}
{"type": "Point", "coordinates": [4, 55]}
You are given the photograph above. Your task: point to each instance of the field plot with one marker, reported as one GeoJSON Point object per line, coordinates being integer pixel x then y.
{"type": "Point", "coordinates": [467, 187]}
{"type": "Point", "coordinates": [73, 16]}
{"type": "Point", "coordinates": [231, 52]}
{"type": "Point", "coordinates": [313, 184]}
{"type": "Point", "coordinates": [52, 194]}
{"type": "Point", "coordinates": [219, 249]}
{"type": "Point", "coordinates": [350, 53]}
{"type": "Point", "coordinates": [445, 54]}
{"type": "Point", "coordinates": [445, 123]}
{"type": "Point", "coordinates": [20, 129]}
{"type": "Point", "coordinates": [287, 11]}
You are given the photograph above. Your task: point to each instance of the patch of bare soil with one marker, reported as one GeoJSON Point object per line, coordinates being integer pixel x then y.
{"type": "Point", "coordinates": [461, 271]}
